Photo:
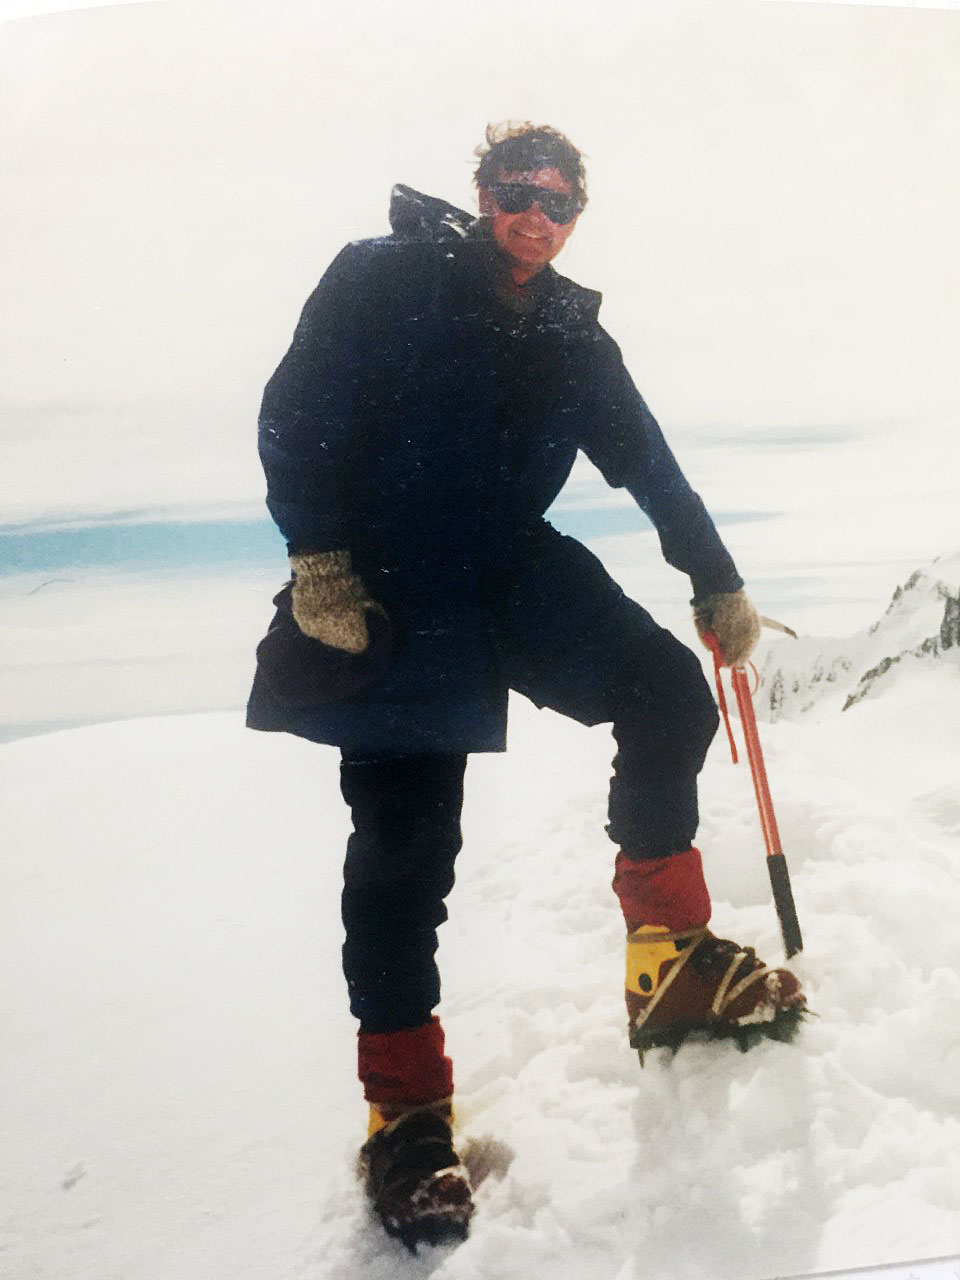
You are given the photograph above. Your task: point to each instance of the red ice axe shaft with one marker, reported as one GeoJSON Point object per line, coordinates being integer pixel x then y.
{"type": "Point", "coordinates": [776, 862]}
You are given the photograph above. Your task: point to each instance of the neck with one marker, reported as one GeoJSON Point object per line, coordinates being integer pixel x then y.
{"type": "Point", "coordinates": [521, 274]}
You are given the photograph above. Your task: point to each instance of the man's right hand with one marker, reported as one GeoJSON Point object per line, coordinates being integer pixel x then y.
{"type": "Point", "coordinates": [329, 601]}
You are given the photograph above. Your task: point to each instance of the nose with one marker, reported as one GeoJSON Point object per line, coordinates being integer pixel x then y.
{"type": "Point", "coordinates": [536, 209]}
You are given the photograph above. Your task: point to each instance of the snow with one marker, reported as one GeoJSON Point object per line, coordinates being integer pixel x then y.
{"type": "Point", "coordinates": [914, 644]}
{"type": "Point", "coordinates": [85, 645]}
{"type": "Point", "coordinates": [178, 1073]}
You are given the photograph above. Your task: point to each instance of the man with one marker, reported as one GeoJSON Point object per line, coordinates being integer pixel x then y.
{"type": "Point", "coordinates": [439, 384]}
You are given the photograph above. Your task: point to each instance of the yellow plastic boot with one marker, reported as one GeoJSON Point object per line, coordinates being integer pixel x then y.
{"type": "Point", "coordinates": [691, 983]}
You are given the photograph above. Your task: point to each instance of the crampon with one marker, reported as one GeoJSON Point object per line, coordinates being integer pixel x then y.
{"type": "Point", "coordinates": [415, 1181]}
{"type": "Point", "coordinates": [693, 985]}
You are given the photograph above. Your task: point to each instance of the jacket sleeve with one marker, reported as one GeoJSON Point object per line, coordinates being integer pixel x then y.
{"type": "Point", "coordinates": [626, 444]}
{"type": "Point", "coordinates": [308, 417]}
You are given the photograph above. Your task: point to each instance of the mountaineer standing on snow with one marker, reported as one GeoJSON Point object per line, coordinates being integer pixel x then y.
{"type": "Point", "coordinates": [439, 385]}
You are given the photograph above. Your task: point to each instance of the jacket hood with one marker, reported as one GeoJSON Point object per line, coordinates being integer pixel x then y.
{"type": "Point", "coordinates": [415, 216]}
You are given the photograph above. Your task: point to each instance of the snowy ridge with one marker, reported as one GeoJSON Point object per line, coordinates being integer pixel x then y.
{"type": "Point", "coordinates": [921, 625]}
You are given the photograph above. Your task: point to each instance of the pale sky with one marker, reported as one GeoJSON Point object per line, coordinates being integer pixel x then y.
{"type": "Point", "coordinates": [774, 197]}
{"type": "Point", "coordinates": [33, 8]}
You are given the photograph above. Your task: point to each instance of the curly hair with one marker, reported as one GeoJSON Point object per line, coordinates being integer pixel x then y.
{"type": "Point", "coordinates": [516, 146]}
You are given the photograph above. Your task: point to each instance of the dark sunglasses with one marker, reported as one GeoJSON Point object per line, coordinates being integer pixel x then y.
{"type": "Point", "coordinates": [517, 197]}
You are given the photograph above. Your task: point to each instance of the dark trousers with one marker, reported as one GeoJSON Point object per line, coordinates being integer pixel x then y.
{"type": "Point", "coordinates": [568, 639]}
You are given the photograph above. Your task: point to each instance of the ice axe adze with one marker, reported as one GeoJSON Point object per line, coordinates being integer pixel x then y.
{"type": "Point", "coordinates": [776, 862]}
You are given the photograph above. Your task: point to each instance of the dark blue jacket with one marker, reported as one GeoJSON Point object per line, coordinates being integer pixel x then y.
{"type": "Point", "coordinates": [424, 424]}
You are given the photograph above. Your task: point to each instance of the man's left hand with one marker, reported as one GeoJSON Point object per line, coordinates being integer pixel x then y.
{"type": "Point", "coordinates": [732, 618]}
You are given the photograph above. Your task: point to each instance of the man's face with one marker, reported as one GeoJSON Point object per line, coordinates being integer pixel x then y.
{"type": "Point", "coordinates": [529, 239]}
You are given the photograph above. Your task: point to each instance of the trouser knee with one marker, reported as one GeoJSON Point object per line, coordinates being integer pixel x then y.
{"type": "Point", "coordinates": [663, 729]}
{"type": "Point", "coordinates": [668, 705]}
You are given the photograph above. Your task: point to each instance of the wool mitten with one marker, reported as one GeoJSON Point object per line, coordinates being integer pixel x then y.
{"type": "Point", "coordinates": [731, 617]}
{"type": "Point", "coordinates": [329, 601]}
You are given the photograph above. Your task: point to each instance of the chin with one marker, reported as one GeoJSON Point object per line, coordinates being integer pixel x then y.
{"type": "Point", "coordinates": [531, 253]}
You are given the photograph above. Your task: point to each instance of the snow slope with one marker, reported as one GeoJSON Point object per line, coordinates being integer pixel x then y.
{"type": "Point", "coordinates": [177, 1063]}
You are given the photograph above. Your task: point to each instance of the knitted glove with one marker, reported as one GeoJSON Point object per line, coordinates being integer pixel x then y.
{"type": "Point", "coordinates": [731, 617]}
{"type": "Point", "coordinates": [330, 602]}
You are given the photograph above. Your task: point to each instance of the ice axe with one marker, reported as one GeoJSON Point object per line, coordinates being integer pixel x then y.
{"type": "Point", "coordinates": [776, 862]}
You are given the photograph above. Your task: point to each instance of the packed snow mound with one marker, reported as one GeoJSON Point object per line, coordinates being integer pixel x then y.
{"type": "Point", "coordinates": [921, 625]}
{"type": "Point", "coordinates": [179, 1073]}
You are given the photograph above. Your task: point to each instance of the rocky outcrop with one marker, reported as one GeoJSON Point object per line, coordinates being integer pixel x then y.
{"type": "Point", "coordinates": [921, 624]}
